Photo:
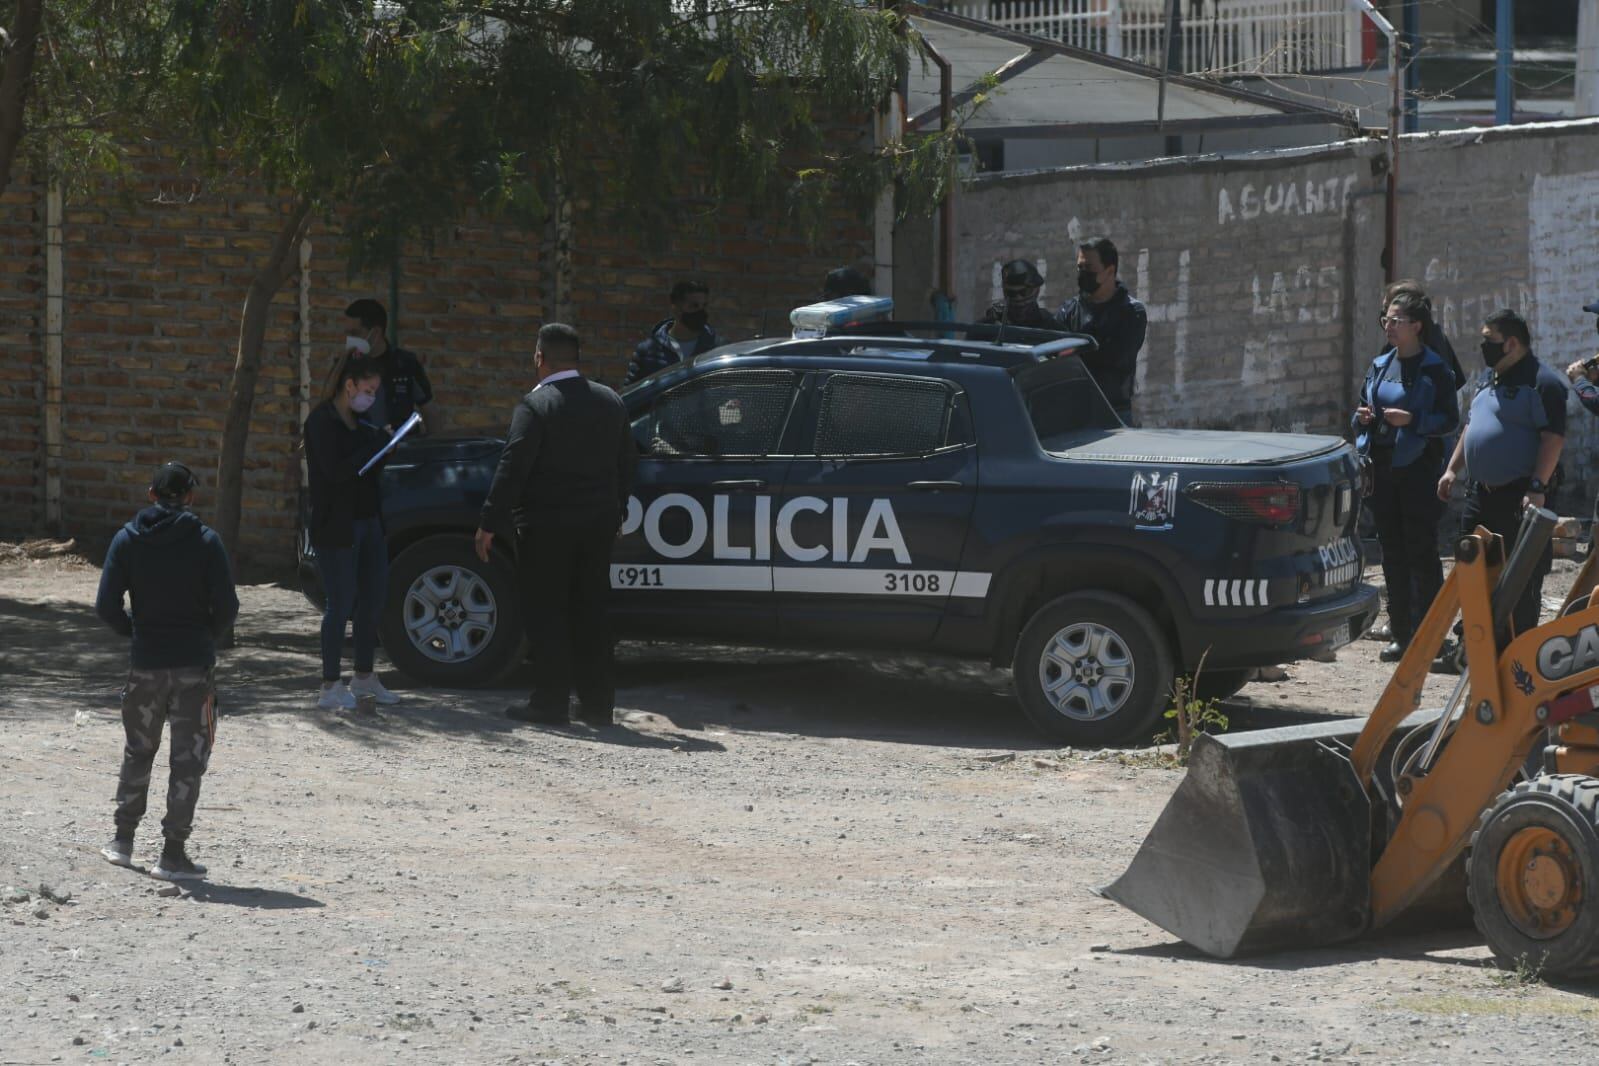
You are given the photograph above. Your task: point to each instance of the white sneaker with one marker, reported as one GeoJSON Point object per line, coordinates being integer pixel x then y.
{"type": "Point", "coordinates": [372, 688]}
{"type": "Point", "coordinates": [336, 698]}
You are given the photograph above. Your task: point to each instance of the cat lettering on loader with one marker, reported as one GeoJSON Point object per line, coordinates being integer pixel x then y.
{"type": "Point", "coordinates": [1308, 835]}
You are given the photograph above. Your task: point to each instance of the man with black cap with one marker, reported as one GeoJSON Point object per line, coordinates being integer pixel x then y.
{"type": "Point", "coordinates": [176, 573]}
{"type": "Point", "coordinates": [562, 483]}
{"type": "Point", "coordinates": [1584, 373]}
{"type": "Point", "coordinates": [1021, 283]}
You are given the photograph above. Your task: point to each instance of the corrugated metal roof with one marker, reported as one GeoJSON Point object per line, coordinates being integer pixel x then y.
{"type": "Point", "coordinates": [1048, 88]}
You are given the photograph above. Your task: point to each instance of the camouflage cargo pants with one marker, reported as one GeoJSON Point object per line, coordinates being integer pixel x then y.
{"type": "Point", "coordinates": [187, 699]}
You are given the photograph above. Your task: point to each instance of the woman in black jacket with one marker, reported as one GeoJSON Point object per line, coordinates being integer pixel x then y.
{"type": "Point", "coordinates": [347, 527]}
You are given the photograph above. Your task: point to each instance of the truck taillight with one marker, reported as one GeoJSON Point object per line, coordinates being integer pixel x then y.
{"type": "Point", "coordinates": [1274, 504]}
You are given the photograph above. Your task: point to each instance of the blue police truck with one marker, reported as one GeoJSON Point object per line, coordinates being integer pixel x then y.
{"type": "Point", "coordinates": [920, 487]}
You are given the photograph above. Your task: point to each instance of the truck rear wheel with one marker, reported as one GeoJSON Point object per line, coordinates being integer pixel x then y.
{"type": "Point", "coordinates": [1092, 668]}
{"type": "Point", "coordinates": [451, 619]}
{"type": "Point", "coordinates": [1534, 876]}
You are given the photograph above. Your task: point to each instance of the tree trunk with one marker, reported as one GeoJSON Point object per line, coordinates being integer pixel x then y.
{"type": "Point", "coordinates": [15, 80]}
{"type": "Point", "coordinates": [280, 264]}
{"type": "Point", "coordinates": [562, 308]}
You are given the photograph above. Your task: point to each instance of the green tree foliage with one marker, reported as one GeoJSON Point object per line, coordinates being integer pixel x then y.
{"type": "Point", "coordinates": [393, 117]}
{"type": "Point", "coordinates": [79, 80]}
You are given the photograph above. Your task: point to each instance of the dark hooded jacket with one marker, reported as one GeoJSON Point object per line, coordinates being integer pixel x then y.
{"type": "Point", "coordinates": [1118, 325]}
{"type": "Point", "coordinates": [176, 573]}
{"type": "Point", "coordinates": [658, 350]}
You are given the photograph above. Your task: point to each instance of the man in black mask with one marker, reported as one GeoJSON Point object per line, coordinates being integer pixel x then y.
{"type": "Point", "coordinates": [679, 338]}
{"type": "Point", "coordinates": [1106, 311]}
{"type": "Point", "coordinates": [1511, 445]}
{"type": "Point", "coordinates": [1021, 282]}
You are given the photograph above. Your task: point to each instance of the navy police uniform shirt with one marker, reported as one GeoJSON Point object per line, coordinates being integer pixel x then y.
{"type": "Point", "coordinates": [1509, 414]}
{"type": "Point", "coordinates": [405, 388]}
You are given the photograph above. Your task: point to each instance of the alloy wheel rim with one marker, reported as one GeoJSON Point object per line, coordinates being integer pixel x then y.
{"type": "Point", "coordinates": [450, 614]}
{"type": "Point", "coordinates": [1087, 672]}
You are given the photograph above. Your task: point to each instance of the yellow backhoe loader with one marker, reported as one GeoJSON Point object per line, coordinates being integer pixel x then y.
{"type": "Point", "coordinates": [1289, 838]}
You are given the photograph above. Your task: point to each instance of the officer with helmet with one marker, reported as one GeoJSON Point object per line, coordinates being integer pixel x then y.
{"type": "Point", "coordinates": [1022, 283]}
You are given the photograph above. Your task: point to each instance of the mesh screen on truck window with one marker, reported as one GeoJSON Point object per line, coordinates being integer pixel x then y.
{"type": "Point", "coordinates": [737, 412]}
{"type": "Point", "coordinates": [1062, 411]}
{"type": "Point", "coordinates": [864, 415]}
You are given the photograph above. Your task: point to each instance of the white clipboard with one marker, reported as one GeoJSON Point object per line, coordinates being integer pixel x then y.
{"type": "Point", "coordinates": [399, 435]}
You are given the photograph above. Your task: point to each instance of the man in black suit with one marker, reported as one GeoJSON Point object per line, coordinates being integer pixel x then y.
{"type": "Point", "coordinates": [562, 483]}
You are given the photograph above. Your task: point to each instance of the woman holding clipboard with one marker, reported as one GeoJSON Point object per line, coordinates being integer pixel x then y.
{"type": "Point", "coordinates": [344, 457]}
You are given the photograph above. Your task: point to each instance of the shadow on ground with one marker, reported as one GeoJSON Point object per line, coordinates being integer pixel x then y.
{"type": "Point", "coordinates": [58, 654]}
{"type": "Point", "coordinates": [265, 899]}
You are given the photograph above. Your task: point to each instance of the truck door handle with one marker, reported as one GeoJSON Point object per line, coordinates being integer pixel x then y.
{"type": "Point", "coordinates": [932, 486]}
{"type": "Point", "coordinates": [748, 485]}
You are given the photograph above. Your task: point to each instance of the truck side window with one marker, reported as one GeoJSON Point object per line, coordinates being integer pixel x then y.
{"type": "Point", "coordinates": [874, 415]}
{"type": "Point", "coordinates": [733, 413]}
{"type": "Point", "coordinates": [1062, 409]}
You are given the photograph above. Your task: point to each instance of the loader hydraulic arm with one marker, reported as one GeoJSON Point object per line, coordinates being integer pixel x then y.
{"type": "Point", "coordinates": [1515, 688]}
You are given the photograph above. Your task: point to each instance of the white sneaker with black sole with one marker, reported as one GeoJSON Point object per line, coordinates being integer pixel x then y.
{"type": "Point", "coordinates": [370, 687]}
{"type": "Point", "coordinates": [336, 698]}
{"type": "Point", "coordinates": [175, 865]}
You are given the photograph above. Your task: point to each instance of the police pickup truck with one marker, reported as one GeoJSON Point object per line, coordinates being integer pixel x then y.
{"type": "Point", "coordinates": [929, 488]}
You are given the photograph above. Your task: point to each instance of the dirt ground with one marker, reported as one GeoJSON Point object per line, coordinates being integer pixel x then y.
{"type": "Point", "coordinates": [782, 858]}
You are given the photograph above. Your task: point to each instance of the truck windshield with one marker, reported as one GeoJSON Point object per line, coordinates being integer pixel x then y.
{"type": "Point", "coordinates": [1064, 404]}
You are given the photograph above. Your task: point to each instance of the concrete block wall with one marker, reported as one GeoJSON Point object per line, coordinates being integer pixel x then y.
{"type": "Point", "coordinates": [1263, 275]}
{"type": "Point", "coordinates": [154, 284]}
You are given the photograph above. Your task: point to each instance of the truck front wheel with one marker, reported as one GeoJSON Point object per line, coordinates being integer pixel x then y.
{"type": "Point", "coordinates": [451, 620]}
{"type": "Point", "coordinates": [1093, 668]}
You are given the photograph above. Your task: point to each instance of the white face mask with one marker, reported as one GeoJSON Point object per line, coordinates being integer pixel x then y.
{"type": "Point", "coordinates": [358, 344]}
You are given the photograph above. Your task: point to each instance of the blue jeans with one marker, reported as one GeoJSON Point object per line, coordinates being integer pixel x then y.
{"type": "Point", "coordinates": [356, 582]}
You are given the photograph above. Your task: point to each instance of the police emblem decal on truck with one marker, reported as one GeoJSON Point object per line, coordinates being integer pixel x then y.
{"type": "Point", "coordinates": [1154, 499]}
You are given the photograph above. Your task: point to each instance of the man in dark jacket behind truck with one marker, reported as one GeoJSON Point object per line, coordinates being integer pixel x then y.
{"type": "Point", "coordinates": [177, 575]}
{"type": "Point", "coordinates": [562, 483]}
{"type": "Point", "coordinates": [1106, 311]}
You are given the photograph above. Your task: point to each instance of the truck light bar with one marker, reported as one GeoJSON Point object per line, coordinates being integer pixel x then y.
{"type": "Point", "coordinates": [814, 320]}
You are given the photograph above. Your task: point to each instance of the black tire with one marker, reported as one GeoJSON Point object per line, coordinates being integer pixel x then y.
{"type": "Point", "coordinates": [472, 646]}
{"type": "Point", "coordinates": [1221, 684]}
{"type": "Point", "coordinates": [1127, 712]}
{"type": "Point", "coordinates": [1560, 812]}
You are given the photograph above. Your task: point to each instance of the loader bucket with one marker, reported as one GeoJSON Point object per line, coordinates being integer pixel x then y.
{"type": "Point", "coordinates": [1266, 844]}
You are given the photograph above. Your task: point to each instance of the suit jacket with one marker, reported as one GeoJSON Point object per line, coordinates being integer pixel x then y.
{"type": "Point", "coordinates": [568, 459]}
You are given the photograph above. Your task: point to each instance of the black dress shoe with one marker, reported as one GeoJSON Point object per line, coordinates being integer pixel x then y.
{"type": "Point", "coordinates": [596, 718]}
{"type": "Point", "coordinates": [521, 712]}
{"type": "Point", "coordinates": [1392, 653]}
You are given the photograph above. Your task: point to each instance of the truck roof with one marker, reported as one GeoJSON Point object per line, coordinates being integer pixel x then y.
{"type": "Point", "coordinates": [948, 342]}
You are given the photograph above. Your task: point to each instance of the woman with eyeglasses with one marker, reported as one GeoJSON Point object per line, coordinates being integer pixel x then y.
{"type": "Point", "coordinates": [1407, 409]}
{"type": "Point", "coordinates": [1433, 337]}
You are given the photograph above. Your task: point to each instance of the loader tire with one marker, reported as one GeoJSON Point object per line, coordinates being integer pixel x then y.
{"type": "Point", "coordinates": [1091, 669]}
{"type": "Point", "coordinates": [1533, 881]}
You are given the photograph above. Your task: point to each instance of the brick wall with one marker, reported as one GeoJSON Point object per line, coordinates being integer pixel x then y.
{"type": "Point", "coordinates": [22, 363]}
{"type": "Point", "coordinates": [155, 280]}
{"type": "Point", "coordinates": [1263, 276]}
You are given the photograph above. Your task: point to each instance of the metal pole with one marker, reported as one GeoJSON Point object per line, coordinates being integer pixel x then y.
{"type": "Point", "coordinates": [946, 207]}
{"type": "Point", "coordinates": [1412, 43]}
{"type": "Point", "coordinates": [1391, 223]}
{"type": "Point", "coordinates": [1504, 49]}
{"type": "Point", "coordinates": [1168, 54]}
{"type": "Point", "coordinates": [394, 302]}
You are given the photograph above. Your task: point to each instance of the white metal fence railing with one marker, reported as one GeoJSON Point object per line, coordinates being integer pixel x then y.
{"type": "Point", "coordinates": [1218, 37]}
